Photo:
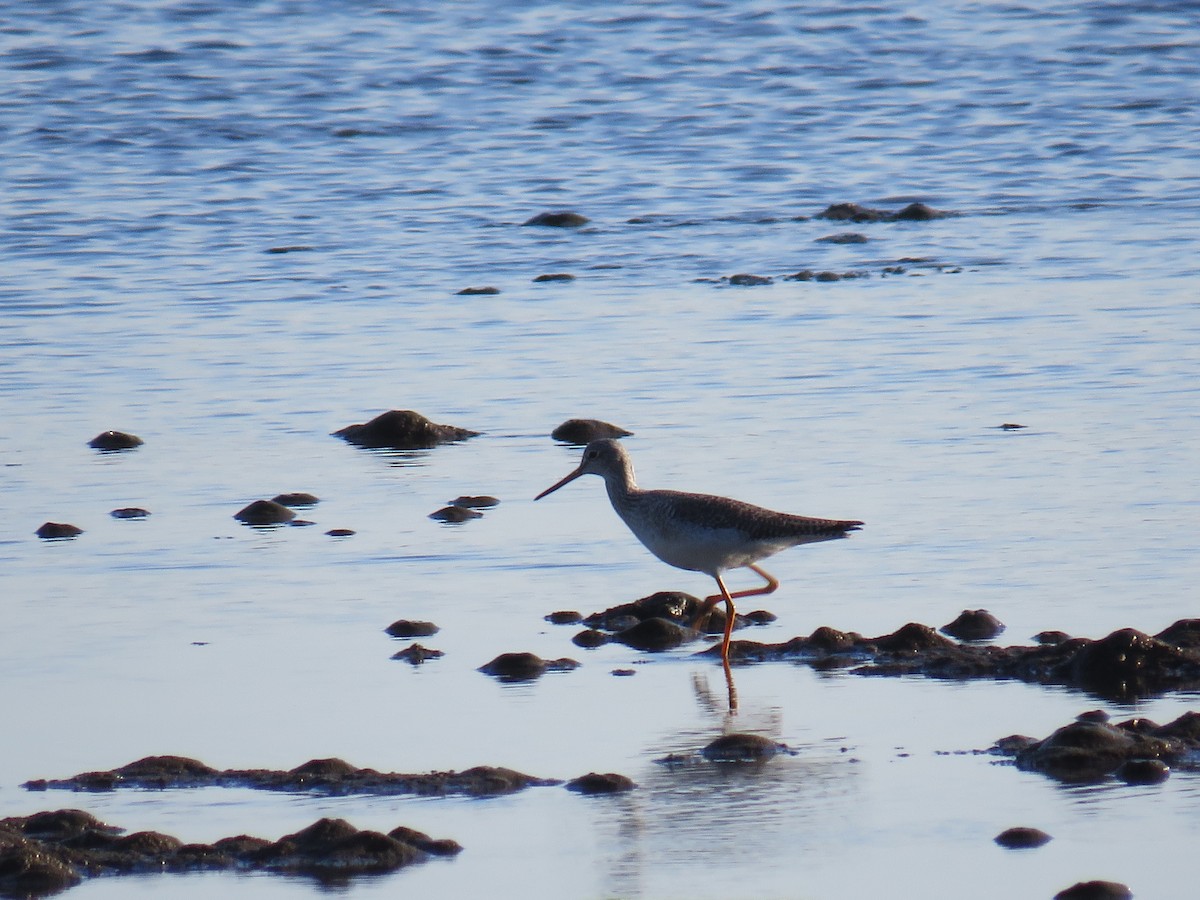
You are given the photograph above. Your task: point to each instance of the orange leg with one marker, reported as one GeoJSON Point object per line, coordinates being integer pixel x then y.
{"type": "Point", "coordinates": [730, 611]}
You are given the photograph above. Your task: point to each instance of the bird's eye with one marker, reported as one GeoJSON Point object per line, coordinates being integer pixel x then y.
{"type": "Point", "coordinates": [592, 454]}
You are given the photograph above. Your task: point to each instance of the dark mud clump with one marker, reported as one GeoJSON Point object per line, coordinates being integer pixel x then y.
{"type": "Point", "coordinates": [561, 219]}
{"type": "Point", "coordinates": [51, 851]}
{"type": "Point", "coordinates": [409, 628]}
{"type": "Point", "coordinates": [455, 515]}
{"type": "Point", "coordinates": [597, 783]}
{"type": "Point", "coordinates": [296, 498]}
{"type": "Point", "coordinates": [111, 441]}
{"type": "Point", "coordinates": [746, 279]}
{"type": "Point", "coordinates": [479, 501]}
{"type": "Point", "coordinates": [661, 621]}
{"type": "Point", "coordinates": [321, 776]}
{"type": "Point", "coordinates": [402, 429]}
{"type": "Point", "coordinates": [584, 431]}
{"type": "Point", "coordinates": [58, 530]}
{"type": "Point", "coordinates": [1138, 751]}
{"type": "Point", "coordinates": [974, 625]}
{"type": "Point", "coordinates": [1125, 665]}
{"type": "Point", "coordinates": [1022, 838]}
{"type": "Point", "coordinates": [845, 237]}
{"type": "Point", "coordinates": [853, 212]}
{"type": "Point", "coordinates": [655, 635]}
{"type": "Point", "coordinates": [1095, 890]}
{"type": "Point", "coordinates": [513, 667]}
{"type": "Point", "coordinates": [264, 512]}
{"type": "Point", "coordinates": [416, 654]}
{"type": "Point", "coordinates": [742, 747]}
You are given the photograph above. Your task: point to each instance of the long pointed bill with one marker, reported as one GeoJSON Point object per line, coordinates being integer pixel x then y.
{"type": "Point", "coordinates": [567, 480]}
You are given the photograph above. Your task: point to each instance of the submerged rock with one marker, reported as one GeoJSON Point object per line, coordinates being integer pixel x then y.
{"type": "Point", "coordinates": [561, 219]}
{"type": "Point", "coordinates": [416, 654]}
{"type": "Point", "coordinates": [110, 441]}
{"type": "Point", "coordinates": [264, 512]}
{"type": "Point", "coordinates": [130, 512]}
{"type": "Point", "coordinates": [408, 628]}
{"type": "Point", "coordinates": [554, 276]}
{"type": "Point", "coordinates": [853, 212]}
{"type": "Point", "coordinates": [745, 279]}
{"type": "Point", "coordinates": [845, 237]}
{"type": "Point", "coordinates": [296, 498]}
{"type": "Point", "coordinates": [55, 530]}
{"type": "Point", "coordinates": [322, 776]}
{"type": "Point", "coordinates": [584, 431]}
{"type": "Point", "coordinates": [513, 667]}
{"type": "Point", "coordinates": [455, 515]}
{"type": "Point", "coordinates": [655, 635]}
{"type": "Point", "coordinates": [1137, 751]}
{"type": "Point", "coordinates": [475, 502]}
{"type": "Point", "coordinates": [35, 860]}
{"type": "Point", "coordinates": [1095, 890]}
{"type": "Point", "coordinates": [1022, 838]}
{"type": "Point", "coordinates": [596, 783]}
{"type": "Point", "coordinates": [402, 429]}
{"type": "Point", "coordinates": [478, 291]}
{"type": "Point", "coordinates": [742, 747]}
{"type": "Point", "coordinates": [974, 625]}
{"type": "Point", "coordinates": [1125, 665]}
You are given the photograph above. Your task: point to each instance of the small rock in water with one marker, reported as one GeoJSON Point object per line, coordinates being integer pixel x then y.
{"type": "Point", "coordinates": [562, 219]}
{"type": "Point", "coordinates": [264, 512]}
{"type": "Point", "coordinates": [129, 512]}
{"type": "Point", "coordinates": [741, 747]}
{"type": "Point", "coordinates": [590, 639]}
{"type": "Point", "coordinates": [416, 654]}
{"type": "Point", "coordinates": [1095, 890]}
{"type": "Point", "coordinates": [115, 440]}
{"type": "Point", "coordinates": [340, 532]}
{"type": "Point", "coordinates": [1051, 637]}
{"type": "Point", "coordinates": [760, 617]}
{"type": "Point", "coordinates": [402, 429]}
{"type": "Point", "coordinates": [53, 530]}
{"type": "Point", "coordinates": [974, 625]}
{"type": "Point", "coordinates": [455, 515]}
{"type": "Point", "coordinates": [744, 279]}
{"type": "Point", "coordinates": [296, 498]}
{"type": "Point", "coordinates": [525, 666]}
{"type": "Point", "coordinates": [1144, 771]}
{"type": "Point", "coordinates": [408, 628]}
{"type": "Point", "coordinates": [1022, 838]}
{"type": "Point", "coordinates": [1093, 715]}
{"type": "Point", "coordinates": [584, 431]}
{"type": "Point", "coordinates": [480, 502]}
{"type": "Point", "coordinates": [1012, 426]}
{"type": "Point", "coordinates": [845, 237]}
{"type": "Point", "coordinates": [564, 617]}
{"type": "Point", "coordinates": [555, 276]}
{"type": "Point", "coordinates": [474, 291]}
{"type": "Point", "coordinates": [655, 635]}
{"type": "Point", "coordinates": [597, 783]}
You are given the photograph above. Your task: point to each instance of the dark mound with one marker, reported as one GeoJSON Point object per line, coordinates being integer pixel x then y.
{"type": "Point", "coordinates": [110, 441]}
{"type": "Point", "coordinates": [402, 429]}
{"type": "Point", "coordinates": [584, 431]}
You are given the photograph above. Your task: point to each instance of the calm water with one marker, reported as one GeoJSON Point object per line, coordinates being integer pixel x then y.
{"type": "Point", "coordinates": [155, 152]}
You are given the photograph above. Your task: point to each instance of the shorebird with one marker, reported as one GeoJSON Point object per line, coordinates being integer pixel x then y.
{"type": "Point", "coordinates": [701, 532]}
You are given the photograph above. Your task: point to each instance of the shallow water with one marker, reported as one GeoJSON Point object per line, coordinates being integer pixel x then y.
{"type": "Point", "coordinates": [151, 164]}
